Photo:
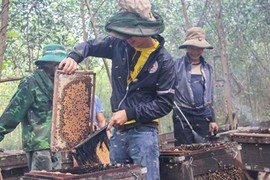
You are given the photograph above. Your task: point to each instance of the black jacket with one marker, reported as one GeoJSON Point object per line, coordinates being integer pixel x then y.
{"type": "Point", "coordinates": [151, 95]}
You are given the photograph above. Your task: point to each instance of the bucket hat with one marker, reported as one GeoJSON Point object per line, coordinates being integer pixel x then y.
{"type": "Point", "coordinates": [52, 53]}
{"type": "Point", "coordinates": [141, 7]}
{"type": "Point", "coordinates": [134, 19]}
{"type": "Point", "coordinates": [195, 36]}
{"type": "Point", "coordinates": [126, 24]}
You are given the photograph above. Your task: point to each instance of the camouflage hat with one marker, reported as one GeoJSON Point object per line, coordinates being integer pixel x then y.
{"type": "Point", "coordinates": [134, 18]}
{"type": "Point", "coordinates": [126, 24]}
{"type": "Point", "coordinates": [52, 53]}
{"type": "Point", "coordinates": [195, 36]}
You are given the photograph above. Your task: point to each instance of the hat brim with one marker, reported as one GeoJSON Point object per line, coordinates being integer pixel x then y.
{"type": "Point", "coordinates": [51, 58]}
{"type": "Point", "coordinates": [126, 32]}
{"type": "Point", "coordinates": [119, 35]}
{"type": "Point", "coordinates": [195, 42]}
{"type": "Point", "coordinates": [131, 24]}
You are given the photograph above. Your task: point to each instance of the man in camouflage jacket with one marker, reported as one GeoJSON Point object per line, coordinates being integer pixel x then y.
{"type": "Point", "coordinates": [31, 106]}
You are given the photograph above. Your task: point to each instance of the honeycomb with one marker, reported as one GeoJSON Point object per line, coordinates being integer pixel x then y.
{"type": "Point", "coordinates": [103, 153]}
{"type": "Point", "coordinates": [71, 107]}
{"type": "Point", "coordinates": [75, 117]}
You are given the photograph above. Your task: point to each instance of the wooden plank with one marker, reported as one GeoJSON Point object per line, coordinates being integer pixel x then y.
{"type": "Point", "coordinates": [131, 172]}
{"type": "Point", "coordinates": [251, 138]}
{"type": "Point", "coordinates": [166, 140]}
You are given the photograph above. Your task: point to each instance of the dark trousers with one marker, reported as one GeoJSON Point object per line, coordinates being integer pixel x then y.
{"type": "Point", "coordinates": [182, 132]}
{"type": "Point", "coordinates": [44, 160]}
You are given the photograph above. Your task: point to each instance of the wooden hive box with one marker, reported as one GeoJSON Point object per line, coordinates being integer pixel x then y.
{"type": "Point", "coordinates": [201, 161]}
{"type": "Point", "coordinates": [109, 172]}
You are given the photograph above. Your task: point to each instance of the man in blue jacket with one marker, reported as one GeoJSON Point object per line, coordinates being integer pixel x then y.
{"type": "Point", "coordinates": [143, 80]}
{"type": "Point", "coordinates": [194, 92]}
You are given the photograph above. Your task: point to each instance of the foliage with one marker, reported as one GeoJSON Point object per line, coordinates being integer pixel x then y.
{"type": "Point", "coordinates": [34, 23]}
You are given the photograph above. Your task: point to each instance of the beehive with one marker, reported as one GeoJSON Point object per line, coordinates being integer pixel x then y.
{"type": "Point", "coordinates": [93, 172]}
{"type": "Point", "coordinates": [201, 161]}
{"type": "Point", "coordinates": [255, 150]}
{"type": "Point", "coordinates": [71, 107]}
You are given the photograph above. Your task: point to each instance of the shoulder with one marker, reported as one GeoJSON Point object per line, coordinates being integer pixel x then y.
{"type": "Point", "coordinates": [206, 64]}
{"type": "Point", "coordinates": [27, 79]}
{"type": "Point", "coordinates": [180, 60]}
{"type": "Point", "coordinates": [165, 55]}
{"type": "Point", "coordinates": [97, 100]}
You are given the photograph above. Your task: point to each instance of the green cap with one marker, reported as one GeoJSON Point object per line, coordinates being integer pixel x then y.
{"type": "Point", "coordinates": [126, 24]}
{"type": "Point", "coordinates": [52, 53]}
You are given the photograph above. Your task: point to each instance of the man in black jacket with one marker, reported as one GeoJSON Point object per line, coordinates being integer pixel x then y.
{"type": "Point", "coordinates": [143, 80]}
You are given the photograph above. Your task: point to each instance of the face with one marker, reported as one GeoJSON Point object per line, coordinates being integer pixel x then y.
{"type": "Point", "coordinates": [49, 67]}
{"type": "Point", "coordinates": [194, 52]}
{"type": "Point", "coordinates": [138, 42]}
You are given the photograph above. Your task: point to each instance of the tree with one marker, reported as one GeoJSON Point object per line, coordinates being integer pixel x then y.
{"type": "Point", "coordinates": [4, 20]}
{"type": "Point", "coordinates": [224, 62]}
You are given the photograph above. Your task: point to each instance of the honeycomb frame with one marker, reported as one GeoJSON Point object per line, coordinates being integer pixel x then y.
{"type": "Point", "coordinates": [73, 97]}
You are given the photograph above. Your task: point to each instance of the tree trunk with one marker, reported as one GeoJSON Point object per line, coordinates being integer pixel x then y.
{"type": "Point", "coordinates": [184, 9]}
{"type": "Point", "coordinates": [4, 24]}
{"type": "Point", "coordinates": [224, 62]}
{"type": "Point", "coordinates": [85, 34]}
{"type": "Point", "coordinates": [96, 35]}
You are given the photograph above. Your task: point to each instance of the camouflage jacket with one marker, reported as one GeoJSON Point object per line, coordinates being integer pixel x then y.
{"type": "Point", "coordinates": [31, 106]}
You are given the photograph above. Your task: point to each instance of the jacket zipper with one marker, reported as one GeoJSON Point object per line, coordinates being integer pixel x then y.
{"type": "Point", "coordinates": [127, 88]}
{"type": "Point", "coordinates": [190, 89]}
{"type": "Point", "coordinates": [205, 85]}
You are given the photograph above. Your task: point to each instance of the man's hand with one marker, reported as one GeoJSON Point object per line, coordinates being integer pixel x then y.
{"type": "Point", "coordinates": [68, 65]}
{"type": "Point", "coordinates": [213, 127]}
{"type": "Point", "coordinates": [118, 118]}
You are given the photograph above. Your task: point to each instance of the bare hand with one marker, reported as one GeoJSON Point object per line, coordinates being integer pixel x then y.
{"type": "Point", "coordinates": [69, 65]}
{"type": "Point", "coordinates": [118, 118]}
{"type": "Point", "coordinates": [109, 134]}
{"type": "Point", "coordinates": [213, 127]}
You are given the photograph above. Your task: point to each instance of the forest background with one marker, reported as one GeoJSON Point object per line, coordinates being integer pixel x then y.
{"type": "Point", "coordinates": [238, 29]}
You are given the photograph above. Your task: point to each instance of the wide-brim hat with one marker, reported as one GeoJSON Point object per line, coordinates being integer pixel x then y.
{"type": "Point", "coordinates": [126, 24]}
{"type": "Point", "coordinates": [195, 36]}
{"type": "Point", "coordinates": [52, 53]}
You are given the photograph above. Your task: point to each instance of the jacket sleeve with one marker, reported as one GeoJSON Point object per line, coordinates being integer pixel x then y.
{"type": "Point", "coordinates": [16, 109]}
{"type": "Point", "coordinates": [96, 47]}
{"type": "Point", "coordinates": [163, 103]}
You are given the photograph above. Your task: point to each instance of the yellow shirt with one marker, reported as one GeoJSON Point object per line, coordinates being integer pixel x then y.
{"type": "Point", "coordinates": [138, 60]}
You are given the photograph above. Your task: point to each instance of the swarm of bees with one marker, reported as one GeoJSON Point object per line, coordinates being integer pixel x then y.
{"type": "Point", "coordinates": [71, 109]}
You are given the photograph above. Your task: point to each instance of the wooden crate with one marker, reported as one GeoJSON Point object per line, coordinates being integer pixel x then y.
{"type": "Point", "coordinates": [255, 149]}
{"type": "Point", "coordinates": [13, 164]}
{"type": "Point", "coordinates": [199, 160]}
{"type": "Point", "coordinates": [166, 140]}
{"type": "Point", "coordinates": [126, 172]}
